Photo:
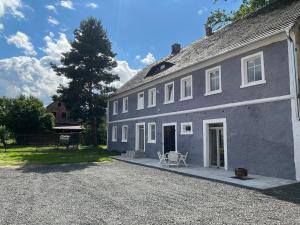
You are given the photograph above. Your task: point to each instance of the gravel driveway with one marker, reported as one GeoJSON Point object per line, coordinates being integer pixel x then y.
{"type": "Point", "coordinates": [121, 193]}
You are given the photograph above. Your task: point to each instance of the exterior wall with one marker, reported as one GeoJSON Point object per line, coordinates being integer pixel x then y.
{"type": "Point", "coordinates": [58, 110]}
{"type": "Point", "coordinates": [260, 136]}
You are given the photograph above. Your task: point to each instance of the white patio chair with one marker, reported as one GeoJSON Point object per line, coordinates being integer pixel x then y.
{"type": "Point", "coordinates": [162, 159]}
{"type": "Point", "coordinates": [173, 159]}
{"type": "Point", "coordinates": [182, 158]}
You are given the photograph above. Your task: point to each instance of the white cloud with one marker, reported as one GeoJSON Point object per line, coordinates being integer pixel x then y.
{"type": "Point", "coordinates": [54, 48]}
{"type": "Point", "coordinates": [11, 7]}
{"type": "Point", "coordinates": [91, 5]}
{"type": "Point", "coordinates": [124, 71]}
{"type": "Point", "coordinates": [21, 40]}
{"type": "Point", "coordinates": [1, 26]}
{"type": "Point", "coordinates": [202, 11]}
{"type": "Point", "coordinates": [148, 59]}
{"type": "Point", "coordinates": [51, 8]}
{"type": "Point", "coordinates": [67, 4]}
{"type": "Point", "coordinates": [53, 21]}
{"type": "Point", "coordinates": [137, 57]}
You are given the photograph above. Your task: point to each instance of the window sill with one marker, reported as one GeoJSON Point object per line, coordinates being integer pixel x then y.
{"type": "Point", "coordinates": [253, 84]}
{"type": "Point", "coordinates": [151, 142]}
{"type": "Point", "coordinates": [186, 133]}
{"type": "Point", "coordinates": [168, 102]}
{"type": "Point", "coordinates": [114, 114]}
{"type": "Point", "coordinates": [140, 109]}
{"type": "Point", "coordinates": [151, 106]}
{"type": "Point", "coordinates": [125, 112]}
{"type": "Point", "coordinates": [124, 141]}
{"type": "Point", "coordinates": [114, 140]}
{"type": "Point", "coordinates": [213, 92]}
{"type": "Point", "coordinates": [186, 98]}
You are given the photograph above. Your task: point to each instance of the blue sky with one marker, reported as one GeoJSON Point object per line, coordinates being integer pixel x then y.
{"type": "Point", "coordinates": [35, 32]}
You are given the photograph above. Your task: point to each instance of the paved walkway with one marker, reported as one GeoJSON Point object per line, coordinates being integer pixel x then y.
{"type": "Point", "coordinates": [255, 181]}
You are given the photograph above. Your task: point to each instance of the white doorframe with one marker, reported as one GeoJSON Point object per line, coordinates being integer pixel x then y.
{"type": "Point", "coordinates": [163, 139]}
{"type": "Point", "coordinates": [137, 136]}
{"type": "Point", "coordinates": [206, 124]}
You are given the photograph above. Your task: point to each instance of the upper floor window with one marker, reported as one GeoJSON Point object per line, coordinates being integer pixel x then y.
{"type": "Point", "coordinates": [125, 104]}
{"type": "Point", "coordinates": [169, 93]}
{"type": "Point", "coordinates": [253, 70]}
{"type": "Point", "coordinates": [152, 97]}
{"type": "Point", "coordinates": [186, 128]}
{"type": "Point", "coordinates": [186, 91]}
{"type": "Point", "coordinates": [151, 133]}
{"type": "Point", "coordinates": [140, 100]}
{"type": "Point", "coordinates": [115, 108]}
{"type": "Point", "coordinates": [124, 133]}
{"type": "Point", "coordinates": [213, 81]}
{"type": "Point", "coordinates": [114, 134]}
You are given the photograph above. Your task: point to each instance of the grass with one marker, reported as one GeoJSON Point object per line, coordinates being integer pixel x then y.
{"type": "Point", "coordinates": [23, 156]}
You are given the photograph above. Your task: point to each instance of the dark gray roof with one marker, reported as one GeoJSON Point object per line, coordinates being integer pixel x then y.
{"type": "Point", "coordinates": [266, 22]}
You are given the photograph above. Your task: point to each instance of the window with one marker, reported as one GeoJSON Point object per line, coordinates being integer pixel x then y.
{"type": "Point", "coordinates": [114, 133]}
{"type": "Point", "coordinates": [140, 101]}
{"type": "Point", "coordinates": [253, 70]}
{"type": "Point", "coordinates": [213, 81]}
{"type": "Point", "coordinates": [64, 115]}
{"type": "Point", "coordinates": [125, 105]}
{"type": "Point", "coordinates": [115, 108]}
{"type": "Point", "coordinates": [169, 93]}
{"type": "Point", "coordinates": [186, 88]}
{"type": "Point", "coordinates": [151, 133]}
{"type": "Point", "coordinates": [124, 133]}
{"type": "Point", "coordinates": [186, 128]}
{"type": "Point", "coordinates": [151, 97]}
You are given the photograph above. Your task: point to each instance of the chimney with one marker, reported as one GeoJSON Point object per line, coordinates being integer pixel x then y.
{"type": "Point", "coordinates": [176, 48]}
{"type": "Point", "coordinates": [209, 31]}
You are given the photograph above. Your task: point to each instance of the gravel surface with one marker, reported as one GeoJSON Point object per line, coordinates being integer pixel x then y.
{"type": "Point", "coordinates": [121, 193]}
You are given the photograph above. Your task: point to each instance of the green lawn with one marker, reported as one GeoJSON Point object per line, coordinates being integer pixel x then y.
{"type": "Point", "coordinates": [20, 156]}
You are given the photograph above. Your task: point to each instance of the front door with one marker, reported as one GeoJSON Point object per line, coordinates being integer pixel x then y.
{"type": "Point", "coordinates": [169, 138]}
{"type": "Point", "coordinates": [140, 137]}
{"type": "Point", "coordinates": [216, 145]}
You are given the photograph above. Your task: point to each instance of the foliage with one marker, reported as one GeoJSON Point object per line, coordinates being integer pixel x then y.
{"type": "Point", "coordinates": [219, 18]}
{"type": "Point", "coordinates": [101, 132]}
{"type": "Point", "coordinates": [25, 114]}
{"type": "Point", "coordinates": [4, 135]}
{"type": "Point", "coordinates": [88, 66]}
{"type": "Point", "coordinates": [22, 156]}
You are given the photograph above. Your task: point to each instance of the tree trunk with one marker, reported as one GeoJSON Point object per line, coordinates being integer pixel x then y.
{"type": "Point", "coordinates": [94, 131]}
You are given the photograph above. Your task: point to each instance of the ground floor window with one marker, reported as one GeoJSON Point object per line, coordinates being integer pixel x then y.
{"type": "Point", "coordinates": [186, 128]}
{"type": "Point", "coordinates": [124, 133]}
{"type": "Point", "coordinates": [114, 133]}
{"type": "Point", "coordinates": [151, 133]}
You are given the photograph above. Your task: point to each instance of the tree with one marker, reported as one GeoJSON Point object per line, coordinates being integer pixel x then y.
{"type": "Point", "coordinates": [28, 115]}
{"type": "Point", "coordinates": [219, 18]}
{"type": "Point", "coordinates": [88, 66]}
{"type": "Point", "coordinates": [3, 135]}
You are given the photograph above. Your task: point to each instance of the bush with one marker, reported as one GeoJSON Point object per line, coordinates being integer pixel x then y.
{"type": "Point", "coordinates": [4, 135]}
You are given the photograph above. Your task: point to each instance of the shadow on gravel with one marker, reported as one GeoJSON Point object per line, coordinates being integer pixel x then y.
{"type": "Point", "coordinates": [57, 168]}
{"type": "Point", "coordinates": [289, 193]}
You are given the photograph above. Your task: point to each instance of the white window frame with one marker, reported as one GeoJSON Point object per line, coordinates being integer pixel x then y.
{"type": "Point", "coordinates": [138, 104]}
{"type": "Point", "coordinates": [183, 131]}
{"type": "Point", "coordinates": [149, 133]}
{"type": "Point", "coordinates": [182, 97]}
{"type": "Point", "coordinates": [114, 134]}
{"type": "Point", "coordinates": [165, 95]}
{"type": "Point", "coordinates": [123, 133]}
{"type": "Point", "coordinates": [244, 70]}
{"type": "Point", "coordinates": [115, 107]}
{"type": "Point", "coordinates": [124, 101]}
{"type": "Point", "coordinates": [152, 90]}
{"type": "Point", "coordinates": [207, 81]}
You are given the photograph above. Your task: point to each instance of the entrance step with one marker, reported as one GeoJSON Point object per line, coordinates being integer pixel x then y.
{"type": "Point", "coordinates": [139, 154]}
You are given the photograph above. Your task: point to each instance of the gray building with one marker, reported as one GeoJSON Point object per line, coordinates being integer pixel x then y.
{"type": "Point", "coordinates": [230, 99]}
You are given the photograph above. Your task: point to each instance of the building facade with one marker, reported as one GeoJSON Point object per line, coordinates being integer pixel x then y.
{"type": "Point", "coordinates": [230, 99]}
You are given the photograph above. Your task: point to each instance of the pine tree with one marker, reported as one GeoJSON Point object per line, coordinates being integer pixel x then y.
{"type": "Point", "coordinates": [88, 66]}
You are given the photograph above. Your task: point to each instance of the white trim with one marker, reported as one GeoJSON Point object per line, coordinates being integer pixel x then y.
{"type": "Point", "coordinates": [244, 73]}
{"type": "Point", "coordinates": [123, 108]}
{"type": "Point", "coordinates": [137, 136]}
{"type": "Point", "coordinates": [182, 98]}
{"type": "Point", "coordinates": [149, 133]}
{"type": "Point", "coordinates": [124, 140]}
{"type": "Point", "coordinates": [165, 93]}
{"type": "Point", "coordinates": [183, 131]}
{"type": "Point", "coordinates": [255, 44]}
{"type": "Point", "coordinates": [107, 124]}
{"type": "Point", "coordinates": [206, 123]}
{"type": "Point", "coordinates": [207, 81]}
{"type": "Point", "coordinates": [115, 107]}
{"type": "Point", "coordinates": [209, 108]}
{"type": "Point", "coordinates": [138, 107]}
{"type": "Point", "coordinates": [154, 97]}
{"type": "Point", "coordinates": [162, 140]}
{"type": "Point", "coordinates": [114, 133]}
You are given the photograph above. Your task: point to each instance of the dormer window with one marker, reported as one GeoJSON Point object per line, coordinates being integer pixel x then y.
{"type": "Point", "coordinates": [163, 66]}
{"type": "Point", "coordinates": [159, 68]}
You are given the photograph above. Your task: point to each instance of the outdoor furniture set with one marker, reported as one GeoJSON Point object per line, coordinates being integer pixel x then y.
{"type": "Point", "coordinates": [172, 158]}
